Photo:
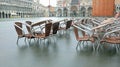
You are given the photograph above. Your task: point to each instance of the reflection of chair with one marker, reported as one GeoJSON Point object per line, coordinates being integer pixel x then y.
{"type": "Point", "coordinates": [21, 33]}
{"type": "Point", "coordinates": [86, 37]}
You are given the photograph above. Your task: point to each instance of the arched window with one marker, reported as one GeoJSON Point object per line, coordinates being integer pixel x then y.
{"type": "Point", "coordinates": [83, 11]}
{"type": "Point", "coordinates": [65, 12]}
{"type": "Point", "coordinates": [59, 12]}
{"type": "Point", "coordinates": [89, 11]}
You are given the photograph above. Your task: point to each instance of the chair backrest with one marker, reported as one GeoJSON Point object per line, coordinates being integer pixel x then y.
{"type": "Point", "coordinates": [82, 30]}
{"type": "Point", "coordinates": [83, 22]}
{"type": "Point", "coordinates": [47, 29]}
{"type": "Point", "coordinates": [28, 28]}
{"type": "Point", "coordinates": [39, 23]}
{"type": "Point", "coordinates": [68, 24]}
{"type": "Point", "coordinates": [76, 33]}
{"type": "Point", "coordinates": [55, 27]}
{"type": "Point", "coordinates": [17, 26]}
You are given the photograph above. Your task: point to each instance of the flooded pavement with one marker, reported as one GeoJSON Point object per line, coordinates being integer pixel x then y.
{"type": "Point", "coordinates": [61, 54]}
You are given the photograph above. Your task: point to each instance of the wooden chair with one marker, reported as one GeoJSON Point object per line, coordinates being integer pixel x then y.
{"type": "Point", "coordinates": [28, 26]}
{"type": "Point", "coordinates": [41, 34]}
{"type": "Point", "coordinates": [86, 37]}
{"type": "Point", "coordinates": [67, 26]}
{"type": "Point", "coordinates": [113, 38]}
{"type": "Point", "coordinates": [46, 34]}
{"type": "Point", "coordinates": [55, 28]}
{"type": "Point", "coordinates": [21, 33]}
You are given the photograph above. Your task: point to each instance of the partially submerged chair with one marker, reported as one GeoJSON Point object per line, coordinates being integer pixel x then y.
{"type": "Point", "coordinates": [55, 28]}
{"type": "Point", "coordinates": [21, 33]}
{"type": "Point", "coordinates": [28, 26]}
{"type": "Point", "coordinates": [67, 24]}
{"type": "Point", "coordinates": [86, 37]}
{"type": "Point", "coordinates": [18, 28]}
{"type": "Point", "coordinates": [47, 30]}
{"type": "Point", "coordinates": [37, 27]}
{"type": "Point", "coordinates": [44, 29]}
{"type": "Point", "coordinates": [113, 38]}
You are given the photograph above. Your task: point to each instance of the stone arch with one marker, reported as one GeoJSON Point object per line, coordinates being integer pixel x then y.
{"type": "Point", "coordinates": [65, 12]}
{"type": "Point", "coordinates": [74, 10]}
{"type": "Point", "coordinates": [83, 11]}
{"type": "Point", "coordinates": [89, 10]}
{"type": "Point", "coordinates": [59, 12]}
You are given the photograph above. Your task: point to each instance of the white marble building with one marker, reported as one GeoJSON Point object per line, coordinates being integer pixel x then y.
{"type": "Point", "coordinates": [21, 8]}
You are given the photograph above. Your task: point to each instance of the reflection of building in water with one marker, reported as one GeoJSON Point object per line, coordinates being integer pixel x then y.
{"type": "Point", "coordinates": [20, 8]}
{"type": "Point", "coordinates": [74, 8]}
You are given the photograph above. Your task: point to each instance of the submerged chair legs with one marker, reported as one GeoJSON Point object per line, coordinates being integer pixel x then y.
{"type": "Point", "coordinates": [78, 45]}
{"type": "Point", "coordinates": [17, 40]}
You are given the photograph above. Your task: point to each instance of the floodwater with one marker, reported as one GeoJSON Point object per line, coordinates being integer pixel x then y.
{"type": "Point", "coordinates": [61, 54]}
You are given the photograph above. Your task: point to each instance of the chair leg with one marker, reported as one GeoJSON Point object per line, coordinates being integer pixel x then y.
{"type": "Point", "coordinates": [78, 44]}
{"type": "Point", "coordinates": [29, 41]}
{"type": "Point", "coordinates": [93, 47]}
{"type": "Point", "coordinates": [98, 45]}
{"type": "Point", "coordinates": [36, 41]}
{"type": "Point", "coordinates": [117, 49]}
{"type": "Point", "coordinates": [40, 41]}
{"type": "Point", "coordinates": [49, 39]}
{"type": "Point", "coordinates": [44, 41]}
{"type": "Point", "coordinates": [87, 42]}
{"type": "Point", "coordinates": [54, 38]}
{"type": "Point", "coordinates": [25, 40]}
{"type": "Point", "coordinates": [17, 40]}
{"type": "Point", "coordinates": [83, 44]}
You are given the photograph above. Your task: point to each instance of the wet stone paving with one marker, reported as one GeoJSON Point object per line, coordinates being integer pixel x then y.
{"type": "Point", "coordinates": [63, 53]}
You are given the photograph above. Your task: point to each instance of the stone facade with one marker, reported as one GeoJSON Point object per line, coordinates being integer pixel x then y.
{"type": "Point", "coordinates": [21, 8]}
{"type": "Point", "coordinates": [77, 8]}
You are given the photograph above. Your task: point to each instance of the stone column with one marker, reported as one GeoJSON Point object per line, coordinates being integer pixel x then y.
{"type": "Point", "coordinates": [0, 14]}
